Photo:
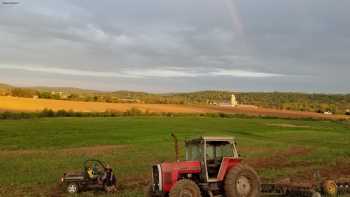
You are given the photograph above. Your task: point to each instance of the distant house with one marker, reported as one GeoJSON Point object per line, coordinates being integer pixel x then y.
{"type": "Point", "coordinates": [327, 113]}
{"type": "Point", "coordinates": [347, 112]}
{"type": "Point", "coordinates": [57, 93]}
{"type": "Point", "coordinates": [64, 96]}
{"type": "Point", "coordinates": [233, 102]}
{"type": "Point", "coordinates": [124, 100]}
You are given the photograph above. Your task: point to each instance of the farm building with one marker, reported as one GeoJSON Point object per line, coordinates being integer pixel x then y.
{"type": "Point", "coordinates": [233, 102]}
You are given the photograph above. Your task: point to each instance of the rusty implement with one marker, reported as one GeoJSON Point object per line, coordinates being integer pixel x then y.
{"type": "Point", "coordinates": [343, 185]}
{"type": "Point", "coordinates": [327, 187]}
{"type": "Point", "coordinates": [290, 190]}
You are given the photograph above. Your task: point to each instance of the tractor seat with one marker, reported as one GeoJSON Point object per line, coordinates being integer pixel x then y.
{"type": "Point", "coordinates": [212, 165]}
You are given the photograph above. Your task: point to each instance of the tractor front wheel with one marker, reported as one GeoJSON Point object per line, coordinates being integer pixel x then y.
{"type": "Point", "coordinates": [185, 188]}
{"type": "Point", "coordinates": [242, 181]}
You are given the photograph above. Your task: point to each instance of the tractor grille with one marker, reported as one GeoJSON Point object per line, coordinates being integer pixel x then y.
{"type": "Point", "coordinates": [156, 177]}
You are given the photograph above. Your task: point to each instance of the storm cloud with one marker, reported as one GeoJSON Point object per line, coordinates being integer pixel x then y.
{"type": "Point", "coordinates": [183, 45]}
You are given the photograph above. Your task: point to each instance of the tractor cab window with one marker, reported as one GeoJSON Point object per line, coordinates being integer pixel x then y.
{"type": "Point", "coordinates": [219, 150]}
{"type": "Point", "coordinates": [215, 152]}
{"type": "Point", "coordinates": [225, 150]}
{"type": "Point", "coordinates": [194, 152]}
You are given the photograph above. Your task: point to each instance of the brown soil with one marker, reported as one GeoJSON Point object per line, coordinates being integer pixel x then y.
{"type": "Point", "coordinates": [340, 169]}
{"type": "Point", "coordinates": [246, 149]}
{"type": "Point", "coordinates": [91, 151]}
{"type": "Point", "coordinates": [280, 159]}
{"type": "Point", "coordinates": [308, 175]}
{"type": "Point", "coordinates": [129, 183]}
{"type": "Point", "coordinates": [289, 125]}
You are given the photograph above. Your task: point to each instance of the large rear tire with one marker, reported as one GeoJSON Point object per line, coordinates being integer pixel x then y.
{"type": "Point", "coordinates": [242, 181]}
{"type": "Point", "coordinates": [185, 188]}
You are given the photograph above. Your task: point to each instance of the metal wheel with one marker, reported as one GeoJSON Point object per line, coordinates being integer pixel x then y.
{"type": "Point", "coordinates": [72, 188]}
{"type": "Point", "coordinates": [316, 194]}
{"type": "Point", "coordinates": [330, 188]}
{"type": "Point", "coordinates": [185, 188]}
{"type": "Point", "coordinates": [243, 186]}
{"type": "Point", "coordinates": [242, 181]}
{"type": "Point", "coordinates": [187, 193]}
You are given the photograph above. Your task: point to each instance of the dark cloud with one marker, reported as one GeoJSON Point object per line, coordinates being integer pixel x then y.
{"type": "Point", "coordinates": [179, 45]}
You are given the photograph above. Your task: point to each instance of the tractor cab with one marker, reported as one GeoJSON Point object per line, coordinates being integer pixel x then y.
{"type": "Point", "coordinates": [211, 151]}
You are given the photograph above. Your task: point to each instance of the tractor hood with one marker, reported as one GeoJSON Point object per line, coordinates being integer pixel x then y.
{"type": "Point", "coordinates": [187, 167]}
{"type": "Point", "coordinates": [170, 172]}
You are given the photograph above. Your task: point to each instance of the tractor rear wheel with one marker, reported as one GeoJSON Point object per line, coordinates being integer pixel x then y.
{"type": "Point", "coordinates": [242, 181]}
{"type": "Point", "coordinates": [185, 188]}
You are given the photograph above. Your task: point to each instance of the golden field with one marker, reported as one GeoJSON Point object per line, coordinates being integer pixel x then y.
{"type": "Point", "coordinates": [30, 105]}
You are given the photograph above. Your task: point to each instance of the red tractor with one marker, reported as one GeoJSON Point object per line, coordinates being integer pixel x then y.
{"type": "Point", "coordinates": [212, 167]}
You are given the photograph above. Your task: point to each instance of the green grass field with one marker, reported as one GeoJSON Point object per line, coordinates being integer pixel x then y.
{"type": "Point", "coordinates": [34, 153]}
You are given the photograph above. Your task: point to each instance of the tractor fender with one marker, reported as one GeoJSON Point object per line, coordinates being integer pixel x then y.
{"type": "Point", "coordinates": [226, 164]}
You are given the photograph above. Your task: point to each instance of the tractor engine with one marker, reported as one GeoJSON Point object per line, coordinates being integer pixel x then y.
{"type": "Point", "coordinates": [165, 175]}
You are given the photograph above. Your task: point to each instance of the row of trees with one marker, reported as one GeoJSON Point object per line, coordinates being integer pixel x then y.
{"type": "Point", "coordinates": [336, 103]}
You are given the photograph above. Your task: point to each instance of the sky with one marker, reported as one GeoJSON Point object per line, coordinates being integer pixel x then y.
{"type": "Point", "coordinates": [177, 46]}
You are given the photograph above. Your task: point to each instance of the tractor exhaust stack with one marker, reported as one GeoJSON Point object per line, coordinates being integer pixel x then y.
{"type": "Point", "coordinates": [176, 147]}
